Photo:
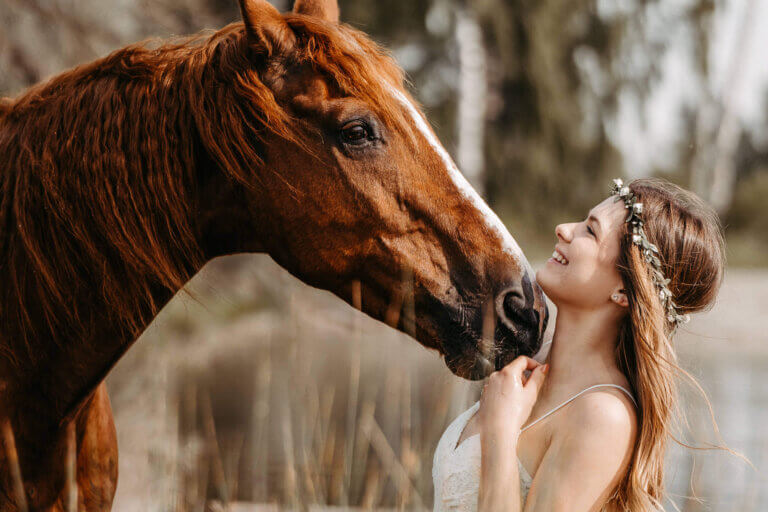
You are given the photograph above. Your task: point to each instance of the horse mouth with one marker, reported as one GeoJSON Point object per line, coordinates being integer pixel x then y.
{"type": "Point", "coordinates": [469, 349]}
{"type": "Point", "coordinates": [470, 368]}
{"type": "Point", "coordinates": [472, 364]}
{"type": "Point", "coordinates": [473, 354]}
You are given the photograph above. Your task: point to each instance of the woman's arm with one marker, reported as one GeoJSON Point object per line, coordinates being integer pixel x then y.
{"type": "Point", "coordinates": [505, 405]}
{"type": "Point", "coordinates": [499, 474]}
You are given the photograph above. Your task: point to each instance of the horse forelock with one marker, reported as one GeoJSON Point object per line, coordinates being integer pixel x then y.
{"type": "Point", "coordinates": [355, 65]}
{"type": "Point", "coordinates": [358, 65]}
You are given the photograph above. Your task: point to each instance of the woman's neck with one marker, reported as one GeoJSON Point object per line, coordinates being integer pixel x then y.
{"type": "Point", "coordinates": [582, 350]}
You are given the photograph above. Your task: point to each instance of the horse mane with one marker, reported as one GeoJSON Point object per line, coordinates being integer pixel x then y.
{"type": "Point", "coordinates": [98, 169]}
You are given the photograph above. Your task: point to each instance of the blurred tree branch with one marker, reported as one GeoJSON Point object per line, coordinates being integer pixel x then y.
{"type": "Point", "coordinates": [558, 75]}
{"type": "Point", "coordinates": [56, 17]}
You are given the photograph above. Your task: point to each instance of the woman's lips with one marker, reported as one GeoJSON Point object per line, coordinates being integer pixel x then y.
{"type": "Point", "coordinates": [558, 257]}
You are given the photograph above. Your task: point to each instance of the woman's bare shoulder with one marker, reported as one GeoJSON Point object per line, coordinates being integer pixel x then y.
{"type": "Point", "coordinates": [606, 415]}
{"type": "Point", "coordinates": [591, 449]}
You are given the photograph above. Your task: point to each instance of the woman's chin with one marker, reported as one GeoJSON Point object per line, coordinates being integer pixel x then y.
{"type": "Point", "coordinates": [544, 276]}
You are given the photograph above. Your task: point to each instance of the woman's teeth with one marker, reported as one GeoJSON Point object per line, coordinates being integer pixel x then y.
{"type": "Point", "coordinates": [559, 258]}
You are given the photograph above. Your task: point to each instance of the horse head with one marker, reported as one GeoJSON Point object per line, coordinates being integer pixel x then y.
{"type": "Point", "coordinates": [320, 158]}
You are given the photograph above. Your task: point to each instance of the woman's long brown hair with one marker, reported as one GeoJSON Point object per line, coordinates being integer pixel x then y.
{"type": "Point", "coordinates": [691, 247]}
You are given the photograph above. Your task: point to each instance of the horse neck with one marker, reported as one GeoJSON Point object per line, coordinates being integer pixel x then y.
{"type": "Point", "coordinates": [102, 241]}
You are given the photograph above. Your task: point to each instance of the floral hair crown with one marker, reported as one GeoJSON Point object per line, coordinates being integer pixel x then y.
{"type": "Point", "coordinates": [650, 252]}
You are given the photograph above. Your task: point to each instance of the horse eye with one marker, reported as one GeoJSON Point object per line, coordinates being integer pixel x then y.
{"type": "Point", "coordinates": [355, 133]}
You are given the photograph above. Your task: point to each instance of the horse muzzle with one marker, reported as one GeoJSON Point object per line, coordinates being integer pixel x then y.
{"type": "Point", "coordinates": [475, 341]}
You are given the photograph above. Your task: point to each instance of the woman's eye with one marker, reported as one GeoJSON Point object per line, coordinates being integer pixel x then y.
{"type": "Point", "coordinates": [355, 133]}
{"type": "Point", "coordinates": [589, 230]}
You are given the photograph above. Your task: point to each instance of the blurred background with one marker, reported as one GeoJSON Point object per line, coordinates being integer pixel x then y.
{"type": "Point", "coordinates": [252, 388]}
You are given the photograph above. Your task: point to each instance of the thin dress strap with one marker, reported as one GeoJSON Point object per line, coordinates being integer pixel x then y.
{"type": "Point", "coordinates": [574, 397]}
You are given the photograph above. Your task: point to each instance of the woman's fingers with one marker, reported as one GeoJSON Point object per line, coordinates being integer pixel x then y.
{"type": "Point", "coordinates": [515, 371]}
{"type": "Point", "coordinates": [531, 363]}
{"type": "Point", "coordinates": [508, 396]}
{"type": "Point", "coordinates": [536, 380]}
{"type": "Point", "coordinates": [519, 364]}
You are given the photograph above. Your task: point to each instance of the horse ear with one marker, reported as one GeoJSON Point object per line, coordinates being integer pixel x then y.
{"type": "Point", "coordinates": [327, 10]}
{"type": "Point", "coordinates": [266, 27]}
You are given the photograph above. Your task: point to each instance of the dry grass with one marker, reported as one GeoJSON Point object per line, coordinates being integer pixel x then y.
{"type": "Point", "coordinates": [268, 391]}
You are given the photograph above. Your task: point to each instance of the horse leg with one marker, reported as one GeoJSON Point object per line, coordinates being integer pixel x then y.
{"type": "Point", "coordinates": [96, 456]}
{"type": "Point", "coordinates": [42, 462]}
{"type": "Point", "coordinates": [96, 453]}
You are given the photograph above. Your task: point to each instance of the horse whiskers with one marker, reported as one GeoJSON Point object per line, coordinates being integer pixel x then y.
{"type": "Point", "coordinates": [487, 343]}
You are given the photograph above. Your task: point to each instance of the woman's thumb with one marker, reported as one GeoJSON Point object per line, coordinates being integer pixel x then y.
{"type": "Point", "coordinates": [537, 377]}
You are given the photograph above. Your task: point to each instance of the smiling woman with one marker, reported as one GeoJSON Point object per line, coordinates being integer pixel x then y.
{"type": "Point", "coordinates": [588, 430]}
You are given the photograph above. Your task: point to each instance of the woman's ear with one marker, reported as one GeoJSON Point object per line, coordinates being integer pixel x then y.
{"type": "Point", "coordinates": [267, 30]}
{"type": "Point", "coordinates": [620, 297]}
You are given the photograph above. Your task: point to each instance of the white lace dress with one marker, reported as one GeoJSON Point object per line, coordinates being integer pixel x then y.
{"type": "Point", "coordinates": [456, 470]}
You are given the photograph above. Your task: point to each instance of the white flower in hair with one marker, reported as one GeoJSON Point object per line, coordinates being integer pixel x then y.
{"type": "Point", "coordinates": [618, 186]}
{"type": "Point", "coordinates": [649, 251]}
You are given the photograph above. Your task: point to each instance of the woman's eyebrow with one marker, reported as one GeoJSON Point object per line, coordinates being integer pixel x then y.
{"type": "Point", "coordinates": [596, 221]}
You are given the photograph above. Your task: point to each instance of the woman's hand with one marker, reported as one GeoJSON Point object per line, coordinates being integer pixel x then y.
{"type": "Point", "coordinates": [508, 396]}
{"type": "Point", "coordinates": [505, 405]}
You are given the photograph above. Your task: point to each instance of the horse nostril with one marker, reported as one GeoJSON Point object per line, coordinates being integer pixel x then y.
{"type": "Point", "coordinates": [513, 305]}
{"type": "Point", "coordinates": [521, 310]}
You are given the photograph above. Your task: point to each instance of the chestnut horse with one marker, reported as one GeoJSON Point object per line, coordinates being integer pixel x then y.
{"type": "Point", "coordinates": [289, 134]}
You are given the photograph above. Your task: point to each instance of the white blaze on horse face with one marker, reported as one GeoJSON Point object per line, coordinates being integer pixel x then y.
{"type": "Point", "coordinates": [509, 244]}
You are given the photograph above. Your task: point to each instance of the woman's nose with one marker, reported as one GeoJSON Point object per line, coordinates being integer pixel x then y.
{"type": "Point", "coordinates": [563, 232]}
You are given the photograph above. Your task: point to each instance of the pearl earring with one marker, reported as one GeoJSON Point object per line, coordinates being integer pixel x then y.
{"type": "Point", "coordinates": [615, 297]}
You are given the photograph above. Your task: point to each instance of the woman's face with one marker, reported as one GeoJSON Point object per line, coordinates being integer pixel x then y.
{"type": "Point", "coordinates": [582, 270]}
